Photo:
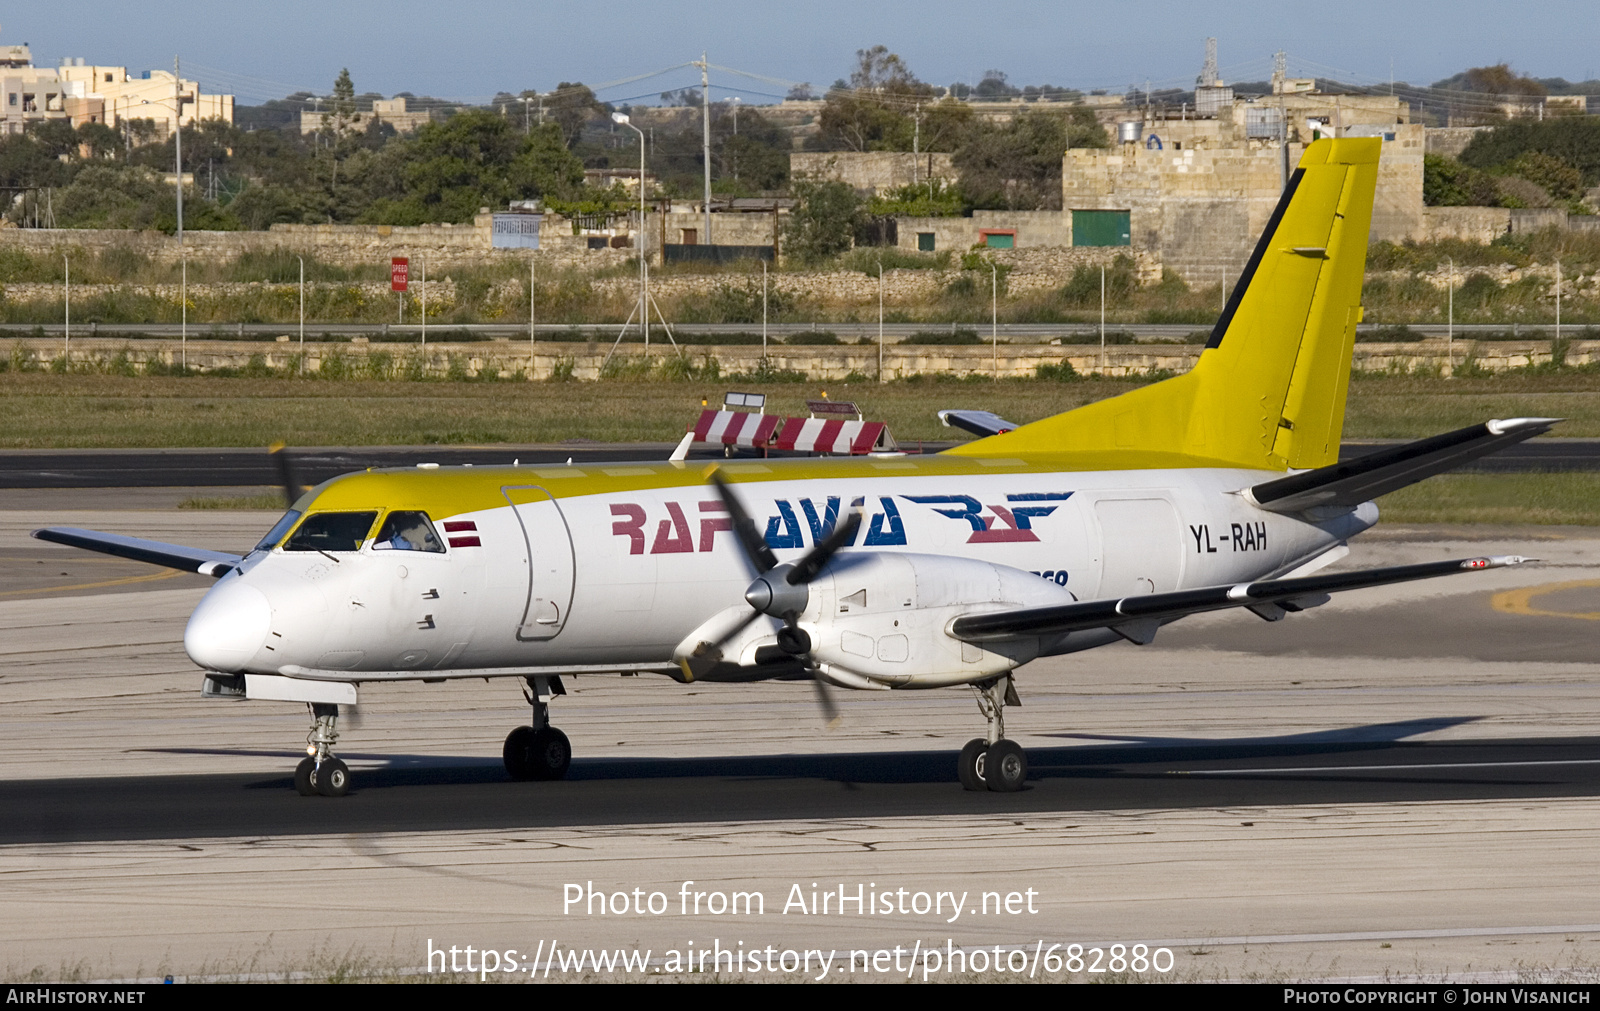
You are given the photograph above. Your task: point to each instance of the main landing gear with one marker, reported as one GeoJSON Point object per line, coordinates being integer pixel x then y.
{"type": "Point", "coordinates": [539, 751]}
{"type": "Point", "coordinates": [992, 762]}
{"type": "Point", "coordinates": [320, 772]}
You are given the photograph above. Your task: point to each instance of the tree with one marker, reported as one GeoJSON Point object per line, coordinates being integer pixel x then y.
{"type": "Point", "coordinates": [824, 220]}
{"type": "Point", "coordinates": [994, 86]}
{"type": "Point", "coordinates": [572, 105]}
{"type": "Point", "coordinates": [341, 120]}
{"type": "Point", "coordinates": [874, 113]}
{"type": "Point", "coordinates": [1574, 140]}
{"type": "Point", "coordinates": [1017, 165]}
{"type": "Point", "coordinates": [474, 159]}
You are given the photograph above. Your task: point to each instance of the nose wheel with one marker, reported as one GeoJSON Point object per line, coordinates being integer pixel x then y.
{"type": "Point", "coordinates": [538, 751]}
{"type": "Point", "coordinates": [993, 763]}
{"type": "Point", "coordinates": [320, 774]}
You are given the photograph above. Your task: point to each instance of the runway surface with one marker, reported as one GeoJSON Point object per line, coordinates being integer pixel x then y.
{"type": "Point", "coordinates": [1402, 781]}
{"type": "Point", "coordinates": [209, 468]}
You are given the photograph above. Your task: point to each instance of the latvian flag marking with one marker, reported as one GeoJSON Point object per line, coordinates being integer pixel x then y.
{"type": "Point", "coordinates": [454, 527]}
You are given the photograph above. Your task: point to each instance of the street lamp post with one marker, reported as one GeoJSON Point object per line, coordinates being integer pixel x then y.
{"type": "Point", "coordinates": [880, 322]}
{"type": "Point", "coordinates": [1450, 317]}
{"type": "Point", "coordinates": [1102, 319]}
{"type": "Point", "coordinates": [644, 283]}
{"type": "Point", "coordinates": [302, 313]}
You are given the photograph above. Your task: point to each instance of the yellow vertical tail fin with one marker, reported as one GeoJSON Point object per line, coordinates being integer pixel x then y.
{"type": "Point", "coordinates": [1269, 389]}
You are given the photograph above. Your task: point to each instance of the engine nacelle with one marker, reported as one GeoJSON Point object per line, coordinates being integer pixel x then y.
{"type": "Point", "coordinates": [884, 618]}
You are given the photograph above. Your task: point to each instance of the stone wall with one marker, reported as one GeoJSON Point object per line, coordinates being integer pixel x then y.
{"type": "Point", "coordinates": [508, 359]}
{"type": "Point", "coordinates": [872, 171]}
{"type": "Point", "coordinates": [1031, 269]}
{"type": "Point", "coordinates": [1450, 141]}
{"type": "Point", "coordinates": [1033, 229]}
{"type": "Point", "coordinates": [1470, 224]}
{"type": "Point", "coordinates": [441, 246]}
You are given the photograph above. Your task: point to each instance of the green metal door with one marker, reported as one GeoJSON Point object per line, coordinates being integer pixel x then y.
{"type": "Point", "coordinates": [1100, 228]}
{"type": "Point", "coordinates": [924, 242]}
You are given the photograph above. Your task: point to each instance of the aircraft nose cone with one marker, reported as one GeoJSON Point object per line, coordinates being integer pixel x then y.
{"type": "Point", "coordinates": [228, 627]}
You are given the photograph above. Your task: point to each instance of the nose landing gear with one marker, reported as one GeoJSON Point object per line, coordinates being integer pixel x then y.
{"type": "Point", "coordinates": [539, 751]}
{"type": "Point", "coordinates": [992, 762]}
{"type": "Point", "coordinates": [320, 772]}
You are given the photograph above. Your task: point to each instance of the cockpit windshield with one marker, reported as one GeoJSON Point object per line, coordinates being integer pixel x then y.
{"type": "Point", "coordinates": [331, 532]}
{"type": "Point", "coordinates": [279, 528]}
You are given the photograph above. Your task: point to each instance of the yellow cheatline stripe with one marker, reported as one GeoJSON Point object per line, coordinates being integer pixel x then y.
{"type": "Point", "coordinates": [1521, 601]}
{"type": "Point", "coordinates": [124, 581]}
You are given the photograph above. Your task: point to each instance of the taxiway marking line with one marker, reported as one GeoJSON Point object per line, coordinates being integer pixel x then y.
{"type": "Point", "coordinates": [1385, 768]}
{"type": "Point", "coordinates": [1521, 601]}
{"type": "Point", "coordinates": [125, 580]}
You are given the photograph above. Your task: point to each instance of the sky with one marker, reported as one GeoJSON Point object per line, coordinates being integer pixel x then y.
{"type": "Point", "coordinates": [470, 50]}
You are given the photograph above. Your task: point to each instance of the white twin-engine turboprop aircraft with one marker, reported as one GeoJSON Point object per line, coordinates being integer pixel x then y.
{"type": "Point", "coordinates": [1220, 488]}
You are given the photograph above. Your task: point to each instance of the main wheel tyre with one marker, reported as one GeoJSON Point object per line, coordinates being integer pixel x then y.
{"type": "Point", "coordinates": [550, 755]}
{"type": "Point", "coordinates": [333, 779]}
{"type": "Point", "coordinates": [518, 753]}
{"type": "Point", "coordinates": [305, 777]}
{"type": "Point", "coordinates": [970, 766]}
{"type": "Point", "coordinates": [1007, 767]}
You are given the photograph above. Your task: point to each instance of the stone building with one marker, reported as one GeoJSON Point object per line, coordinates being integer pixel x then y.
{"type": "Point", "coordinates": [1197, 192]}
{"type": "Point", "coordinates": [80, 93]}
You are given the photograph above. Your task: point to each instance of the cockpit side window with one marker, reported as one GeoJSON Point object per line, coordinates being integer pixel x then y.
{"type": "Point", "coordinates": [407, 531]}
{"type": "Point", "coordinates": [331, 532]}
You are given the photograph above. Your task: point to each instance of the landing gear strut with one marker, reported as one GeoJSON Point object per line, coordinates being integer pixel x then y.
{"type": "Point", "coordinates": [992, 762]}
{"type": "Point", "coordinates": [539, 751]}
{"type": "Point", "coordinates": [320, 772]}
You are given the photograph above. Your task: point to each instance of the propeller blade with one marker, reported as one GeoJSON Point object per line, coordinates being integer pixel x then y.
{"type": "Point", "coordinates": [806, 569]}
{"type": "Point", "coordinates": [716, 647]}
{"type": "Point", "coordinates": [830, 712]}
{"type": "Point", "coordinates": [751, 540]}
{"type": "Point", "coordinates": [291, 488]}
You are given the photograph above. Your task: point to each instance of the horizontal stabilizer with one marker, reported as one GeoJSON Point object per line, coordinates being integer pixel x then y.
{"type": "Point", "coordinates": [173, 556]}
{"type": "Point", "coordinates": [1136, 618]}
{"type": "Point", "coordinates": [977, 422]}
{"type": "Point", "coordinates": [1352, 482]}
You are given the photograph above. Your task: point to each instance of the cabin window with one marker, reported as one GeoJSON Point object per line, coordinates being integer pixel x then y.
{"type": "Point", "coordinates": [407, 531]}
{"type": "Point", "coordinates": [331, 532]}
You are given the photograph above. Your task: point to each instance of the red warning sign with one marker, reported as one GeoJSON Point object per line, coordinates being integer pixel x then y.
{"type": "Point", "coordinates": [399, 273]}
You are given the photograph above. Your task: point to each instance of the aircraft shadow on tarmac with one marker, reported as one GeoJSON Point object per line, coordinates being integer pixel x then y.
{"type": "Point", "coordinates": [419, 793]}
{"type": "Point", "coordinates": [1119, 753]}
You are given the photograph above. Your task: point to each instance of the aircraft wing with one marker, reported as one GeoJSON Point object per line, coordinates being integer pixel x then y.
{"type": "Point", "coordinates": [1352, 482]}
{"type": "Point", "coordinates": [1137, 618]}
{"type": "Point", "coordinates": [173, 556]}
{"type": "Point", "coordinates": [977, 422]}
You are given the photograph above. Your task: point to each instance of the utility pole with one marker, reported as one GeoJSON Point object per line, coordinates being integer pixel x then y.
{"type": "Point", "coordinates": [705, 106]}
{"type": "Point", "coordinates": [916, 141]}
{"type": "Point", "coordinates": [66, 309]}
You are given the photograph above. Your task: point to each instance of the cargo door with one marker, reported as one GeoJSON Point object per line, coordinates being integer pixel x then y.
{"type": "Point", "coordinates": [1140, 546]}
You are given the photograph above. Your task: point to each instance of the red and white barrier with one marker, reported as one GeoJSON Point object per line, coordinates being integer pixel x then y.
{"type": "Point", "coordinates": [802, 435]}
